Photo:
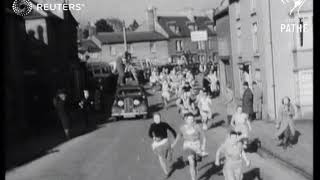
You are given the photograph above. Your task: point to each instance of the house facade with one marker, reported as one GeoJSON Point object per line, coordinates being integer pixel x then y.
{"type": "Point", "coordinates": [40, 58]}
{"type": "Point", "coordinates": [178, 31]}
{"type": "Point", "coordinates": [265, 50]}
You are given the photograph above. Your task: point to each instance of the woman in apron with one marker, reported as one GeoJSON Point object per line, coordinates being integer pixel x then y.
{"type": "Point", "coordinates": [234, 154]}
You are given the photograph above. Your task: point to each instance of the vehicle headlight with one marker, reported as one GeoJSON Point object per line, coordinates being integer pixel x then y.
{"type": "Point", "coordinates": [136, 102]}
{"type": "Point", "coordinates": [120, 103]}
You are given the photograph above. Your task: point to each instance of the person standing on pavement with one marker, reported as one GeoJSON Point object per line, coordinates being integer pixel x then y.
{"type": "Point", "coordinates": [192, 135]}
{"type": "Point", "coordinates": [165, 93]}
{"type": "Point", "coordinates": [285, 124]}
{"type": "Point", "coordinates": [59, 102]}
{"type": "Point", "coordinates": [86, 104]}
{"type": "Point", "coordinates": [230, 102]}
{"type": "Point", "coordinates": [247, 101]}
{"type": "Point", "coordinates": [257, 101]}
{"type": "Point", "coordinates": [234, 153]}
{"type": "Point", "coordinates": [161, 145]}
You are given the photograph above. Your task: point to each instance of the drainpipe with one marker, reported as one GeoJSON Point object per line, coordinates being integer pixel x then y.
{"type": "Point", "coordinates": [272, 62]}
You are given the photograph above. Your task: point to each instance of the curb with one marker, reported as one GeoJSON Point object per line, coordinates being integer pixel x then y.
{"type": "Point", "coordinates": [262, 151]}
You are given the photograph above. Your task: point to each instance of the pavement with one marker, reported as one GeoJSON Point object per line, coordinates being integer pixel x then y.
{"type": "Point", "coordinates": [122, 151]}
{"type": "Point", "coordinates": [298, 157]}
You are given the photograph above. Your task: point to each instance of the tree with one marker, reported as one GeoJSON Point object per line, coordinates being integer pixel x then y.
{"type": "Point", "coordinates": [103, 26]}
{"type": "Point", "coordinates": [133, 26]}
{"type": "Point", "coordinates": [116, 23]}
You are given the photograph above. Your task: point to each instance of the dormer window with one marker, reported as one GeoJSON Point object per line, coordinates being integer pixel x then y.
{"type": "Point", "coordinates": [172, 27]}
{"type": "Point", "coordinates": [192, 27]}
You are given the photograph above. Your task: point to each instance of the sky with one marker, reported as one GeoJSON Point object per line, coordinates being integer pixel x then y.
{"type": "Point", "coordinates": [128, 10]}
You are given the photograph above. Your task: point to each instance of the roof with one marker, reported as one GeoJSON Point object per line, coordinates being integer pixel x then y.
{"type": "Point", "coordinates": [117, 37]}
{"type": "Point", "coordinates": [89, 45]}
{"type": "Point", "coordinates": [182, 23]}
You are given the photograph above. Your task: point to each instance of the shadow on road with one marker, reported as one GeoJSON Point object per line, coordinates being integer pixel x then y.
{"type": "Point", "coordinates": [253, 174]}
{"type": "Point", "coordinates": [211, 171]}
{"type": "Point", "coordinates": [179, 164]}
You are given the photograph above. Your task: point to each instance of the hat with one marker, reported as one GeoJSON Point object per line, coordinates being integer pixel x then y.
{"type": "Point", "coordinates": [246, 83]}
{"type": "Point", "coordinates": [254, 82]}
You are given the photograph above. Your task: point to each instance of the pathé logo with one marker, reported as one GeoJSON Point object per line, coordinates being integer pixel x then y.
{"type": "Point", "coordinates": [297, 4]}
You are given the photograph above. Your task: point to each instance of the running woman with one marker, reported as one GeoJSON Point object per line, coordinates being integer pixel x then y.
{"type": "Point", "coordinates": [241, 123]}
{"type": "Point", "coordinates": [161, 145]}
{"type": "Point", "coordinates": [192, 146]}
{"type": "Point", "coordinates": [234, 154]}
{"type": "Point", "coordinates": [165, 93]}
{"type": "Point", "coordinates": [205, 104]}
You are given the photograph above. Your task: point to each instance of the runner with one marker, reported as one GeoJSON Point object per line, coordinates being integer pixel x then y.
{"type": "Point", "coordinates": [161, 145]}
{"type": "Point", "coordinates": [241, 123]}
{"type": "Point", "coordinates": [165, 93]}
{"type": "Point", "coordinates": [204, 105]}
{"type": "Point", "coordinates": [192, 146]}
{"type": "Point", "coordinates": [184, 102]}
{"type": "Point", "coordinates": [234, 154]}
{"type": "Point", "coordinates": [153, 79]}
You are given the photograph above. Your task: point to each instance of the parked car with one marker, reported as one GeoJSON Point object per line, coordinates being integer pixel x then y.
{"type": "Point", "coordinates": [130, 102]}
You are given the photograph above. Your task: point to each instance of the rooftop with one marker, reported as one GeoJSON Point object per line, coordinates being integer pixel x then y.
{"type": "Point", "coordinates": [117, 37]}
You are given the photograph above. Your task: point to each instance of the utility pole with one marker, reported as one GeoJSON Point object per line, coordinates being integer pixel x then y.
{"type": "Point", "coordinates": [272, 62]}
{"type": "Point", "coordinates": [124, 37]}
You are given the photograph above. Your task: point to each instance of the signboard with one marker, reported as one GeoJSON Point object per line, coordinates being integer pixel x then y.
{"type": "Point", "coordinates": [199, 36]}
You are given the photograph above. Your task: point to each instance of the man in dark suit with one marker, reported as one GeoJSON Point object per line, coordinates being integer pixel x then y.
{"type": "Point", "coordinates": [86, 106]}
{"type": "Point", "coordinates": [247, 100]}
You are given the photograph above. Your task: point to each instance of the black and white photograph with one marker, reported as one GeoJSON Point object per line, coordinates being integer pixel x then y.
{"type": "Point", "coordinates": [158, 90]}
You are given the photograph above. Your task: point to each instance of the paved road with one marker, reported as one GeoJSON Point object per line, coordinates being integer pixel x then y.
{"type": "Point", "coordinates": [121, 151]}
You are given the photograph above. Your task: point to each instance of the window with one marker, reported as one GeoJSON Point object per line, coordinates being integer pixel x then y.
{"type": "Point", "coordinates": [239, 40]}
{"type": "Point", "coordinates": [191, 27]}
{"type": "Point", "coordinates": [153, 47]}
{"type": "Point", "coordinates": [255, 37]}
{"type": "Point", "coordinates": [201, 45]}
{"type": "Point", "coordinates": [179, 45]}
{"type": "Point", "coordinates": [237, 6]}
{"type": "Point", "coordinates": [177, 29]}
{"type": "Point", "coordinates": [172, 27]}
{"type": "Point", "coordinates": [211, 27]}
{"type": "Point", "coordinates": [253, 6]}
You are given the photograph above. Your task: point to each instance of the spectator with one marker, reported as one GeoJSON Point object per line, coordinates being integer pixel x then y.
{"type": "Point", "coordinates": [247, 100]}
{"type": "Point", "coordinates": [284, 124]}
{"type": "Point", "coordinates": [257, 101]}
{"type": "Point", "coordinates": [59, 102]}
{"type": "Point", "coordinates": [119, 68]}
{"type": "Point", "coordinates": [85, 105]}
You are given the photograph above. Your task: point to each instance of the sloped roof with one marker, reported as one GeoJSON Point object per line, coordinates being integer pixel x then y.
{"type": "Point", "coordinates": [117, 37]}
{"type": "Point", "coordinates": [182, 23]}
{"type": "Point", "coordinates": [203, 22]}
{"type": "Point", "coordinates": [89, 45]}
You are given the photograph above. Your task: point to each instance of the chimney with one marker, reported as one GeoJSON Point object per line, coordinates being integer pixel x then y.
{"type": "Point", "coordinates": [92, 29]}
{"type": "Point", "coordinates": [190, 14]}
{"type": "Point", "coordinates": [151, 18]}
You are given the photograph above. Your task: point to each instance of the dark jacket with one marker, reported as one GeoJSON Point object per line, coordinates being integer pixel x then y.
{"type": "Point", "coordinates": [247, 101]}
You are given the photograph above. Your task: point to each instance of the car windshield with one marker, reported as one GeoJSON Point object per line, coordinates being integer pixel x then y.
{"type": "Point", "coordinates": [130, 92]}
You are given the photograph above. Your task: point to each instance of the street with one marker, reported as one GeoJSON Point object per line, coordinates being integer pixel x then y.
{"type": "Point", "coordinates": [122, 151]}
